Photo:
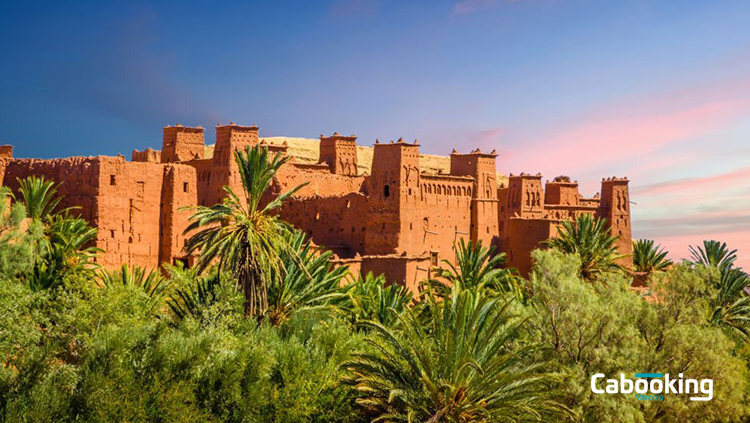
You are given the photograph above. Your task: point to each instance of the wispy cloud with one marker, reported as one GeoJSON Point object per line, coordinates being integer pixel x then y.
{"type": "Point", "coordinates": [595, 144]}
{"type": "Point", "coordinates": [677, 245]}
{"type": "Point", "coordinates": [712, 182]}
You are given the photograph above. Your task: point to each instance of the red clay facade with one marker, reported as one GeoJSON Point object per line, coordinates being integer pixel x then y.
{"type": "Point", "coordinates": [395, 220]}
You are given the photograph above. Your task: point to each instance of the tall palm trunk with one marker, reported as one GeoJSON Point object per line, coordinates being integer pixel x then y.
{"type": "Point", "coordinates": [253, 286]}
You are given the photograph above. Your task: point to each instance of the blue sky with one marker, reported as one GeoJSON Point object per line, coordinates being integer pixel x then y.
{"type": "Point", "coordinates": [658, 91]}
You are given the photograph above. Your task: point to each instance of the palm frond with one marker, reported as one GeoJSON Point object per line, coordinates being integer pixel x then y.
{"type": "Point", "coordinates": [648, 257]}
{"type": "Point", "coordinates": [39, 196]}
{"type": "Point", "coordinates": [588, 237]}
{"type": "Point", "coordinates": [454, 366]}
{"type": "Point", "coordinates": [713, 253]}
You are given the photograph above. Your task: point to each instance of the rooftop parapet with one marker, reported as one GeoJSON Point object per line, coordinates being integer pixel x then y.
{"type": "Point", "coordinates": [339, 152]}
{"type": "Point", "coordinates": [147, 155]}
{"type": "Point", "coordinates": [182, 143]}
{"type": "Point", "coordinates": [6, 151]}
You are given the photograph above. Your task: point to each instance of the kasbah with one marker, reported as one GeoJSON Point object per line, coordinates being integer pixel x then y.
{"type": "Point", "coordinates": [382, 209]}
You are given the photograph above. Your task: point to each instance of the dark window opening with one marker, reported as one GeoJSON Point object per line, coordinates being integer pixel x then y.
{"type": "Point", "coordinates": [387, 191]}
{"type": "Point", "coordinates": [184, 187]}
{"type": "Point", "coordinates": [112, 179]}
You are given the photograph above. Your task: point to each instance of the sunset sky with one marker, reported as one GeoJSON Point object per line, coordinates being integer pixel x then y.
{"type": "Point", "coordinates": [658, 91]}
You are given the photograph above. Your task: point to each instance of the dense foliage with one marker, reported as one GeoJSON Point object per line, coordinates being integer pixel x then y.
{"type": "Point", "coordinates": [478, 344]}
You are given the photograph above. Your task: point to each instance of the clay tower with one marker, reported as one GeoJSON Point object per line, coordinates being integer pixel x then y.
{"type": "Point", "coordinates": [340, 153]}
{"type": "Point", "coordinates": [615, 208]}
{"type": "Point", "coordinates": [393, 187]}
{"type": "Point", "coordinates": [181, 144]}
{"type": "Point", "coordinates": [484, 211]}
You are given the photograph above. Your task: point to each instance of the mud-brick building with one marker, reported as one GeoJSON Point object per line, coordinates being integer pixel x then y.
{"type": "Point", "coordinates": [393, 217]}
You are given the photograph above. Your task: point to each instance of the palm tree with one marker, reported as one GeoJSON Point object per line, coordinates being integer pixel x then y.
{"type": "Point", "coordinates": [478, 267]}
{"type": "Point", "coordinates": [713, 253]}
{"type": "Point", "coordinates": [67, 247]}
{"type": "Point", "coordinates": [371, 298]}
{"type": "Point", "coordinates": [69, 250]}
{"type": "Point", "coordinates": [731, 307]}
{"type": "Point", "coordinates": [307, 281]}
{"type": "Point", "coordinates": [39, 196]}
{"type": "Point", "coordinates": [152, 283]}
{"type": "Point", "coordinates": [454, 366]}
{"type": "Point", "coordinates": [194, 300]}
{"type": "Point", "coordinates": [241, 234]}
{"type": "Point", "coordinates": [588, 238]}
{"type": "Point", "coordinates": [649, 258]}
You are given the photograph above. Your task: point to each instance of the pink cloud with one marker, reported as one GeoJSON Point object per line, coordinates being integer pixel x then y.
{"type": "Point", "coordinates": [713, 182]}
{"type": "Point", "coordinates": [489, 137]}
{"type": "Point", "coordinates": [740, 240]}
{"type": "Point", "coordinates": [617, 138]}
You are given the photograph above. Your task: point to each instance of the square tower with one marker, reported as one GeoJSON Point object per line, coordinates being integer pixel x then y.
{"type": "Point", "coordinates": [561, 191]}
{"type": "Point", "coordinates": [230, 138]}
{"type": "Point", "coordinates": [223, 168]}
{"type": "Point", "coordinates": [393, 190]}
{"type": "Point", "coordinates": [182, 144]}
{"type": "Point", "coordinates": [524, 196]}
{"type": "Point", "coordinates": [340, 153]}
{"type": "Point", "coordinates": [615, 208]}
{"type": "Point", "coordinates": [484, 203]}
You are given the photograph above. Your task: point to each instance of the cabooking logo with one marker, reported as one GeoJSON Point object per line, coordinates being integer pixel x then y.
{"type": "Point", "coordinates": [651, 386]}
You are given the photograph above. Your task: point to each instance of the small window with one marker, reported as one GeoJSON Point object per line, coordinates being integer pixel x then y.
{"type": "Point", "coordinates": [387, 191]}
{"type": "Point", "coordinates": [112, 234]}
{"type": "Point", "coordinates": [184, 187]}
{"type": "Point", "coordinates": [434, 258]}
{"type": "Point", "coordinates": [112, 179]}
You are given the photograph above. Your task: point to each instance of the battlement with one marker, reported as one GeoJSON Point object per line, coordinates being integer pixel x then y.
{"type": "Point", "coordinates": [399, 143]}
{"type": "Point", "coordinates": [182, 144]}
{"type": "Point", "coordinates": [6, 151]}
{"type": "Point", "coordinates": [615, 180]}
{"type": "Point", "coordinates": [400, 157]}
{"type": "Point", "coordinates": [340, 153]}
{"type": "Point", "coordinates": [561, 191]}
{"type": "Point", "coordinates": [233, 137]}
{"type": "Point", "coordinates": [148, 155]}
